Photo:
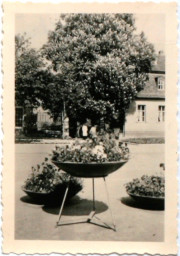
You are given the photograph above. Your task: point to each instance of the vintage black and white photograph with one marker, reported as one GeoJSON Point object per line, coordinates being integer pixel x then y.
{"type": "Point", "coordinates": [90, 117]}
{"type": "Point", "coordinates": [93, 95]}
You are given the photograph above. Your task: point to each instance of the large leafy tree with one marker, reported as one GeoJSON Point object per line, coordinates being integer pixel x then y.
{"type": "Point", "coordinates": [100, 65]}
{"type": "Point", "coordinates": [31, 76]}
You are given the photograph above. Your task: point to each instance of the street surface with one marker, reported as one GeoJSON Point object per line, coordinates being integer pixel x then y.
{"type": "Point", "coordinates": [37, 222]}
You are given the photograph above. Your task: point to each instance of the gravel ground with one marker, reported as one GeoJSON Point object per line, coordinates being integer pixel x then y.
{"type": "Point", "coordinates": [37, 222]}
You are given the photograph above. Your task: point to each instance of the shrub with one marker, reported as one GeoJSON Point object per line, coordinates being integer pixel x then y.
{"type": "Point", "coordinates": [47, 177]}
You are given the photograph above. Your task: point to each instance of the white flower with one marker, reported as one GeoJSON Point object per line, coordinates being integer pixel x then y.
{"type": "Point", "coordinates": [77, 147]}
{"type": "Point", "coordinates": [83, 149]}
{"type": "Point", "coordinates": [104, 155]}
{"type": "Point", "coordinates": [99, 148]}
{"type": "Point", "coordinates": [94, 151]}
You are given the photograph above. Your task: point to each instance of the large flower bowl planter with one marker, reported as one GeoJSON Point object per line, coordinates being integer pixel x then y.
{"type": "Point", "coordinates": [148, 200]}
{"type": "Point", "coordinates": [89, 170]}
{"type": "Point", "coordinates": [54, 197]}
{"type": "Point", "coordinates": [38, 196]}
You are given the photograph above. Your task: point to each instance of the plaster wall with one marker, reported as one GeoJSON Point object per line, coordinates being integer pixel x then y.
{"type": "Point", "coordinates": [151, 127]}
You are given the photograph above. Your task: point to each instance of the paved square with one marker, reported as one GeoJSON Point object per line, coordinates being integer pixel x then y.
{"type": "Point", "coordinates": [37, 222]}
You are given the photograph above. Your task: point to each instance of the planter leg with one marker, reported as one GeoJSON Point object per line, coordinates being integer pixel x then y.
{"type": "Point", "coordinates": [107, 194]}
{"type": "Point", "coordinates": [94, 208]}
{"type": "Point", "coordinates": [64, 199]}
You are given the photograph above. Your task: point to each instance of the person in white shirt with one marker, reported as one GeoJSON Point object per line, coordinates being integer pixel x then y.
{"type": "Point", "coordinates": [93, 131]}
{"type": "Point", "coordinates": [84, 131]}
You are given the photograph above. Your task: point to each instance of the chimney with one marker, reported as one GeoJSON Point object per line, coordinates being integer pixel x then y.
{"type": "Point", "coordinates": [161, 53]}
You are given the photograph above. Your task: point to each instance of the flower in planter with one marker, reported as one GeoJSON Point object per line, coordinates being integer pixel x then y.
{"type": "Point", "coordinates": [98, 149]}
{"type": "Point", "coordinates": [46, 178]}
{"type": "Point", "coordinates": [152, 186]}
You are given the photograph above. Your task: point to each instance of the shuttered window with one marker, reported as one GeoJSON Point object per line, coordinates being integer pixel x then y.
{"type": "Point", "coordinates": [141, 113]}
{"type": "Point", "coordinates": [160, 83]}
{"type": "Point", "coordinates": [161, 113]}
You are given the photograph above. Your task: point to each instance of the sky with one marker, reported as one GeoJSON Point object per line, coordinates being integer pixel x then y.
{"type": "Point", "coordinates": [36, 26]}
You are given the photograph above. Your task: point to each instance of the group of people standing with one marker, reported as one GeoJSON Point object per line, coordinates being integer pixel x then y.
{"type": "Point", "coordinates": [87, 132]}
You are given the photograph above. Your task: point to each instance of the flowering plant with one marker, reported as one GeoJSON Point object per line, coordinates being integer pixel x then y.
{"type": "Point", "coordinates": [153, 186]}
{"type": "Point", "coordinates": [98, 149]}
{"type": "Point", "coordinates": [45, 178]}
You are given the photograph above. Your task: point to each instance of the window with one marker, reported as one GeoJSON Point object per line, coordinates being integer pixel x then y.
{"type": "Point", "coordinates": [141, 113]}
{"type": "Point", "coordinates": [160, 83]}
{"type": "Point", "coordinates": [161, 113]}
{"type": "Point", "coordinates": [19, 117]}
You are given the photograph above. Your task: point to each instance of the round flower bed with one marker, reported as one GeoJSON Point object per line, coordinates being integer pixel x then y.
{"type": "Point", "coordinates": [95, 157]}
{"type": "Point", "coordinates": [47, 184]}
{"type": "Point", "coordinates": [97, 150]}
{"type": "Point", "coordinates": [149, 186]}
{"type": "Point", "coordinates": [149, 190]}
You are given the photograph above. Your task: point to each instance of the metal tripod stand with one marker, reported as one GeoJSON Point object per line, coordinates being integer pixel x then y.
{"type": "Point", "coordinates": [92, 215]}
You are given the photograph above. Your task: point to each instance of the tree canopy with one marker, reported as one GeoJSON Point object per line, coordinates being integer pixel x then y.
{"type": "Point", "coordinates": [31, 76]}
{"type": "Point", "coordinates": [101, 64]}
{"type": "Point", "coordinates": [97, 65]}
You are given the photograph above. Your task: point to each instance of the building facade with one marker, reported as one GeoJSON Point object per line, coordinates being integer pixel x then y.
{"type": "Point", "coordinates": [146, 115]}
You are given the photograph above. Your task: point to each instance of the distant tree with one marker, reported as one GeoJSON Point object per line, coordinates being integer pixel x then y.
{"type": "Point", "coordinates": [31, 77]}
{"type": "Point", "coordinates": [100, 65]}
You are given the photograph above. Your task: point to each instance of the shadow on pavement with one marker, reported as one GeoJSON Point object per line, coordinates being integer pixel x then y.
{"type": "Point", "coordinates": [77, 207]}
{"type": "Point", "coordinates": [29, 200]}
{"type": "Point", "coordinates": [128, 201]}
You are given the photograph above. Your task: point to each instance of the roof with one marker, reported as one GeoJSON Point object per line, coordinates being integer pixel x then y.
{"type": "Point", "coordinates": [159, 64]}
{"type": "Point", "coordinates": [151, 90]}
